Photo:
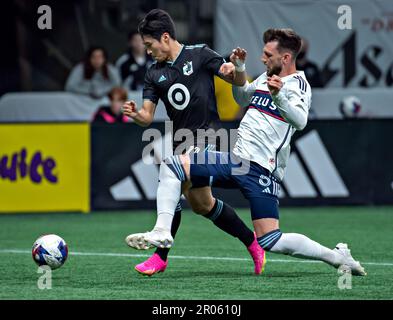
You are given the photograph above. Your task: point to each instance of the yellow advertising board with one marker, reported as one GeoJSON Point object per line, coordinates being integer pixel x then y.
{"type": "Point", "coordinates": [44, 167]}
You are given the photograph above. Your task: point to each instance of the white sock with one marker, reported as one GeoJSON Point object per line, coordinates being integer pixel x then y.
{"type": "Point", "coordinates": [298, 245]}
{"type": "Point", "coordinates": [168, 196]}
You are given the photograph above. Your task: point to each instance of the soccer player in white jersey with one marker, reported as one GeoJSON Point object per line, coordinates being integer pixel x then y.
{"type": "Point", "coordinates": [278, 103]}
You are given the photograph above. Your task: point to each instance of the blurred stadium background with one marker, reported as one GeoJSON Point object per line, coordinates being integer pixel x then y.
{"type": "Point", "coordinates": [57, 156]}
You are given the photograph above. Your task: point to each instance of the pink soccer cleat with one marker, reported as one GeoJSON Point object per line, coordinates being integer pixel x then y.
{"type": "Point", "coordinates": [152, 265]}
{"type": "Point", "coordinates": [258, 255]}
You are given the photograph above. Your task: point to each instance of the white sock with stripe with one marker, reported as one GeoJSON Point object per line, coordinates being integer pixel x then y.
{"type": "Point", "coordinates": [168, 196]}
{"type": "Point", "coordinates": [298, 245]}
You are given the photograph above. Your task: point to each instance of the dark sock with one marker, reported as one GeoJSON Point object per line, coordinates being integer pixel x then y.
{"type": "Point", "coordinates": [225, 217]}
{"type": "Point", "coordinates": [163, 252]}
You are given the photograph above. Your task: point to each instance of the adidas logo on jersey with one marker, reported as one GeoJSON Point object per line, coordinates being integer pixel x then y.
{"type": "Point", "coordinates": [162, 78]}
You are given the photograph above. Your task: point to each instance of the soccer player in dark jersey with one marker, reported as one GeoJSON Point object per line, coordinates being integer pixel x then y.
{"type": "Point", "coordinates": [182, 77]}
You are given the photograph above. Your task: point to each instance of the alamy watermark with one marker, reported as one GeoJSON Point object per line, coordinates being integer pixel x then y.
{"type": "Point", "coordinates": [189, 142]}
{"type": "Point", "coordinates": [44, 281]}
{"type": "Point", "coordinates": [344, 21]}
{"type": "Point", "coordinates": [45, 19]}
{"type": "Point", "coordinates": [344, 281]}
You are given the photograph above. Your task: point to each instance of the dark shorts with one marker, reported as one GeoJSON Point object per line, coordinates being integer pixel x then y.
{"type": "Point", "coordinates": [226, 170]}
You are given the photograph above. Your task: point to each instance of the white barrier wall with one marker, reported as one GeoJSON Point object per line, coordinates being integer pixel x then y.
{"type": "Point", "coordinates": [375, 103]}
{"type": "Point", "coordinates": [60, 106]}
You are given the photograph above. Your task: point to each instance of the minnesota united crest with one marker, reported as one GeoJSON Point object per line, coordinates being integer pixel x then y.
{"type": "Point", "coordinates": [187, 68]}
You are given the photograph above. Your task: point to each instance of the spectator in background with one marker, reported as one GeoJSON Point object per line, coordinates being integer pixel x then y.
{"type": "Point", "coordinates": [133, 64]}
{"type": "Point", "coordinates": [310, 69]}
{"type": "Point", "coordinates": [94, 76]}
{"type": "Point", "coordinates": [112, 113]}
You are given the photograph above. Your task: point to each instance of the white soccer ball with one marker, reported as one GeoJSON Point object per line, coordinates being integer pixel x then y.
{"type": "Point", "coordinates": [350, 107]}
{"type": "Point", "coordinates": [50, 250]}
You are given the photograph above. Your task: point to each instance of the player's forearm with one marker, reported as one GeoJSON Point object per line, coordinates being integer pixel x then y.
{"type": "Point", "coordinates": [143, 118]}
{"type": "Point", "coordinates": [294, 112]}
{"type": "Point", "coordinates": [240, 78]}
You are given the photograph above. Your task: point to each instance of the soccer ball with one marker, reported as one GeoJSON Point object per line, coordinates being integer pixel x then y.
{"type": "Point", "coordinates": [50, 250]}
{"type": "Point", "coordinates": [350, 107]}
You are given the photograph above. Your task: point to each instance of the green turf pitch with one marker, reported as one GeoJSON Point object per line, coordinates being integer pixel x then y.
{"type": "Point", "coordinates": [205, 263]}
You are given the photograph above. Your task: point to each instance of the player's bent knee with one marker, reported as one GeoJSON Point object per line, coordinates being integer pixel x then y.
{"type": "Point", "coordinates": [201, 205]}
{"type": "Point", "coordinates": [201, 208]}
{"type": "Point", "coordinates": [201, 200]}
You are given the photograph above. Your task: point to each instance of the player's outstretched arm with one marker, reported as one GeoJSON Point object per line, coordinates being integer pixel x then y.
{"type": "Point", "coordinates": [238, 58]}
{"type": "Point", "coordinates": [234, 72]}
{"type": "Point", "coordinates": [144, 116]}
{"type": "Point", "coordinates": [242, 91]}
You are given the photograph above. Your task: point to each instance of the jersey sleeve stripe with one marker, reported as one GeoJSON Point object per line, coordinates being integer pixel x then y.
{"type": "Point", "coordinates": [302, 83]}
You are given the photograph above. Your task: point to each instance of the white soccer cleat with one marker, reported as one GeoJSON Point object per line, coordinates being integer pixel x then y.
{"type": "Point", "coordinates": [348, 261]}
{"type": "Point", "coordinates": [158, 238]}
{"type": "Point", "coordinates": [136, 241]}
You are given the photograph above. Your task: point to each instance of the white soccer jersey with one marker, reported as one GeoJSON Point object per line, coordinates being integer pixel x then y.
{"type": "Point", "coordinates": [266, 129]}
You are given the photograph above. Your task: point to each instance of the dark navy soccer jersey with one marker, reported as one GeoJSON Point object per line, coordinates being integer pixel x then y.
{"type": "Point", "coordinates": [186, 87]}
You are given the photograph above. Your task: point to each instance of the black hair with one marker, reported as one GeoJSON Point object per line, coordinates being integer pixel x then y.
{"type": "Point", "coordinates": [155, 23]}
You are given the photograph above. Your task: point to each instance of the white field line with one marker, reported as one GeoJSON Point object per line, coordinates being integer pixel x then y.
{"type": "Point", "coordinates": [102, 254]}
